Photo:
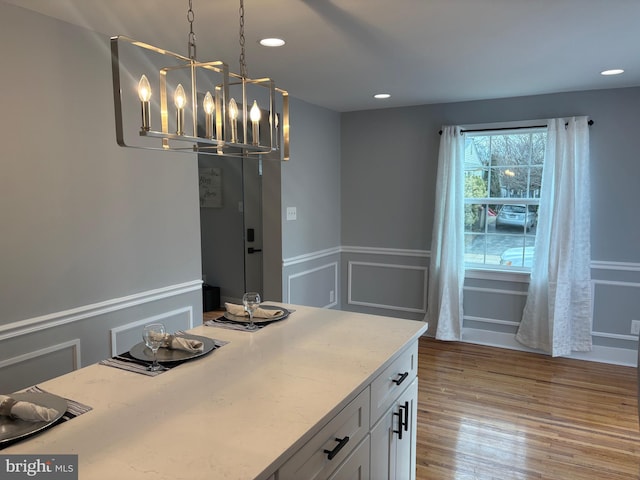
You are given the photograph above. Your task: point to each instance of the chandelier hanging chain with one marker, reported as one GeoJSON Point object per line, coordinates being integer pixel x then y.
{"type": "Point", "coordinates": [192, 36]}
{"type": "Point", "coordinates": [243, 63]}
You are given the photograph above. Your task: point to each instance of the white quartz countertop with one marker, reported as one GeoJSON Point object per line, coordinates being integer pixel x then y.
{"type": "Point", "coordinates": [236, 413]}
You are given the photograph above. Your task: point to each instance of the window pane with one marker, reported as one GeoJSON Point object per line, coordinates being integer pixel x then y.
{"type": "Point", "coordinates": [475, 186]}
{"type": "Point", "coordinates": [506, 167]}
{"type": "Point", "coordinates": [519, 256]}
{"type": "Point", "coordinates": [538, 146]}
{"type": "Point", "coordinates": [478, 218]}
{"type": "Point", "coordinates": [535, 181]}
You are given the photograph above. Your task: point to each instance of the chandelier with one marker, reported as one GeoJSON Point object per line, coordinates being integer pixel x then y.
{"type": "Point", "coordinates": [199, 106]}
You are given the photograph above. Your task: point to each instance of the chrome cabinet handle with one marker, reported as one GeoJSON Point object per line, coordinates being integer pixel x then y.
{"type": "Point", "coordinates": [341, 443]}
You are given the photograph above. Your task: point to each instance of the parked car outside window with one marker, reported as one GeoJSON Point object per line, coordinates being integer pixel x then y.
{"type": "Point", "coordinates": [516, 216]}
{"type": "Point", "coordinates": [517, 257]}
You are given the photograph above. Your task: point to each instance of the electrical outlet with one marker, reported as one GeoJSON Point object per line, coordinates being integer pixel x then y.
{"type": "Point", "coordinates": [292, 213]}
{"type": "Point", "coordinates": [635, 327]}
{"type": "Point", "coordinates": [332, 296]}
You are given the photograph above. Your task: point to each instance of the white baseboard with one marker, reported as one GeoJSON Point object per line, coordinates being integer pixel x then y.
{"type": "Point", "coordinates": [612, 355]}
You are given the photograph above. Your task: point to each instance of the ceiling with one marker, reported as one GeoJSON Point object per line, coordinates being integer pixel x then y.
{"type": "Point", "coordinates": [341, 52]}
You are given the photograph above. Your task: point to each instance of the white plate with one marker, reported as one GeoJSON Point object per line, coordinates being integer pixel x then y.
{"type": "Point", "coordinates": [256, 320]}
{"type": "Point", "coordinates": [13, 429]}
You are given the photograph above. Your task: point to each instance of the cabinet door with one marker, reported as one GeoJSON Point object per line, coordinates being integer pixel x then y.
{"type": "Point", "coordinates": [356, 466]}
{"type": "Point", "coordinates": [393, 439]}
{"type": "Point", "coordinates": [405, 448]}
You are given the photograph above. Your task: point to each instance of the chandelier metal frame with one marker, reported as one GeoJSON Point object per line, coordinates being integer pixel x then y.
{"type": "Point", "coordinates": [224, 129]}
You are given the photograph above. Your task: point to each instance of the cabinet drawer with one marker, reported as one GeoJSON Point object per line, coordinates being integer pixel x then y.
{"type": "Point", "coordinates": [312, 461]}
{"type": "Point", "coordinates": [392, 381]}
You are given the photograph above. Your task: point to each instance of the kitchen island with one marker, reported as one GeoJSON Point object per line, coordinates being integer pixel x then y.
{"type": "Point", "coordinates": [259, 407]}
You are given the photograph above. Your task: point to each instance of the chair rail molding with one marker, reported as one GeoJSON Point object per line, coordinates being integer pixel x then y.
{"type": "Point", "coordinates": [307, 257]}
{"type": "Point", "coordinates": [619, 266]}
{"type": "Point", "coordinates": [402, 252]}
{"type": "Point", "coordinates": [31, 325]}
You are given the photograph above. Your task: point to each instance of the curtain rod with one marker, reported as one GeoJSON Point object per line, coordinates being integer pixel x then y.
{"type": "Point", "coordinates": [590, 122]}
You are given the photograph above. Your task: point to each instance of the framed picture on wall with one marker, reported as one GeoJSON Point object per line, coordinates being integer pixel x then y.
{"type": "Point", "coordinates": [210, 187]}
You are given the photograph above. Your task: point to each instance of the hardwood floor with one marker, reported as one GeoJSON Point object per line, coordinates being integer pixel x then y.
{"type": "Point", "coordinates": [488, 413]}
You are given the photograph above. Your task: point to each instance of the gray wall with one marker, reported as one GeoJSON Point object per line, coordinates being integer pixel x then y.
{"type": "Point", "coordinates": [95, 238]}
{"type": "Point", "coordinates": [311, 183]}
{"type": "Point", "coordinates": [387, 213]}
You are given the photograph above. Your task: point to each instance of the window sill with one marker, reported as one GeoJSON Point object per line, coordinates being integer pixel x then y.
{"type": "Point", "coordinates": [521, 276]}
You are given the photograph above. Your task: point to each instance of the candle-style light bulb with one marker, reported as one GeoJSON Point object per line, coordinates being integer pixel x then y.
{"type": "Point", "coordinates": [254, 115]}
{"type": "Point", "coordinates": [144, 89]}
{"type": "Point", "coordinates": [208, 105]}
{"type": "Point", "coordinates": [180, 99]}
{"type": "Point", "coordinates": [144, 94]}
{"type": "Point", "coordinates": [233, 117]}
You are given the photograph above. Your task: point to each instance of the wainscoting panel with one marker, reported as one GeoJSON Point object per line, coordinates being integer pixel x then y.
{"type": "Point", "coordinates": [615, 305]}
{"type": "Point", "coordinates": [316, 287]}
{"type": "Point", "coordinates": [39, 365]}
{"type": "Point", "coordinates": [388, 286]}
{"type": "Point", "coordinates": [37, 349]}
{"type": "Point", "coordinates": [123, 337]}
{"type": "Point", "coordinates": [495, 306]}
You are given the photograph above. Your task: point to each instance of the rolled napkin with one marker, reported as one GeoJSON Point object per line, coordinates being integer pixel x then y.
{"type": "Point", "coordinates": [175, 342]}
{"type": "Point", "coordinates": [30, 412]}
{"type": "Point", "coordinates": [239, 311]}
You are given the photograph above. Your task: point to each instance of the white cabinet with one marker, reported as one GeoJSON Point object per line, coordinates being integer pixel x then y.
{"type": "Point", "coordinates": [393, 439]}
{"type": "Point", "coordinates": [320, 457]}
{"type": "Point", "coordinates": [373, 437]}
{"type": "Point", "coordinates": [356, 466]}
{"type": "Point", "coordinates": [386, 387]}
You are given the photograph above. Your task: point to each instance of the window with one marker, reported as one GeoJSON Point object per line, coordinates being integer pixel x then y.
{"type": "Point", "coordinates": [502, 178]}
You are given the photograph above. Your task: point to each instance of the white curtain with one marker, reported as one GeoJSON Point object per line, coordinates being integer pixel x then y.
{"type": "Point", "coordinates": [446, 271]}
{"type": "Point", "coordinates": [557, 316]}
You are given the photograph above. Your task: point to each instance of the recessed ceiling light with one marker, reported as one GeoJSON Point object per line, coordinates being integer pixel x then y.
{"type": "Point", "coordinates": [382, 95]}
{"type": "Point", "coordinates": [613, 71]}
{"type": "Point", "coordinates": [272, 42]}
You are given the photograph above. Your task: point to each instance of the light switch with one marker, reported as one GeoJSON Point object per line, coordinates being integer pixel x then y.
{"type": "Point", "coordinates": [292, 213]}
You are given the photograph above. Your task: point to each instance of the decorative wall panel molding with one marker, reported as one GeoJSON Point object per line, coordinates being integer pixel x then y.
{"type": "Point", "coordinates": [421, 303]}
{"type": "Point", "coordinates": [491, 320]}
{"type": "Point", "coordinates": [121, 342]}
{"type": "Point", "coordinates": [72, 344]}
{"type": "Point", "coordinates": [291, 279]}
